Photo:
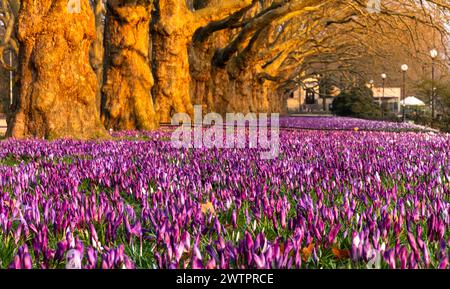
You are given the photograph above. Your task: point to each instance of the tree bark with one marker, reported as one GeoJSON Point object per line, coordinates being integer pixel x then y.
{"type": "Point", "coordinates": [127, 100]}
{"type": "Point", "coordinates": [173, 31]}
{"type": "Point", "coordinates": [235, 86]}
{"type": "Point", "coordinates": [206, 79]}
{"type": "Point", "coordinates": [209, 82]}
{"type": "Point", "coordinates": [97, 51]}
{"type": "Point", "coordinates": [57, 84]}
{"type": "Point", "coordinates": [172, 75]}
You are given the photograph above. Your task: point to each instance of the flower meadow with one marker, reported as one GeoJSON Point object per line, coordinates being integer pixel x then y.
{"type": "Point", "coordinates": [346, 123]}
{"type": "Point", "coordinates": [332, 199]}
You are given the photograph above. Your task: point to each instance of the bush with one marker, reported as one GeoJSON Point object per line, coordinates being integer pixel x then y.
{"type": "Point", "coordinates": [357, 102]}
{"type": "Point", "coordinates": [442, 123]}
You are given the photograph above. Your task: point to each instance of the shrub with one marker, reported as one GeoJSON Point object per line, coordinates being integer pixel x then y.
{"type": "Point", "coordinates": [357, 102]}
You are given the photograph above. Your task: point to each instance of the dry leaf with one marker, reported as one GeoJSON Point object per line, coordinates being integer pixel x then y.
{"type": "Point", "coordinates": [306, 252]}
{"type": "Point", "coordinates": [208, 206]}
{"type": "Point", "coordinates": [341, 254]}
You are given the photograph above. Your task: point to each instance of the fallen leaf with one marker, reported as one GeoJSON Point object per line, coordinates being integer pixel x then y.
{"type": "Point", "coordinates": [281, 245]}
{"type": "Point", "coordinates": [208, 206]}
{"type": "Point", "coordinates": [341, 254]}
{"type": "Point", "coordinates": [307, 251]}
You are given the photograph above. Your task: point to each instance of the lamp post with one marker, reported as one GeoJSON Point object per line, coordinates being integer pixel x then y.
{"type": "Point", "coordinates": [371, 85]}
{"type": "Point", "coordinates": [322, 94]}
{"type": "Point", "coordinates": [383, 78]}
{"type": "Point", "coordinates": [300, 98]}
{"type": "Point", "coordinates": [404, 69]}
{"type": "Point", "coordinates": [434, 54]}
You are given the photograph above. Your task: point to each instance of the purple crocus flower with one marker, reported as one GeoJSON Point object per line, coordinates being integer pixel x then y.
{"type": "Point", "coordinates": [92, 258]}
{"type": "Point", "coordinates": [197, 263]}
{"type": "Point", "coordinates": [61, 250]}
{"type": "Point", "coordinates": [16, 263]}
{"type": "Point", "coordinates": [389, 256]}
{"type": "Point", "coordinates": [260, 261]}
{"type": "Point", "coordinates": [27, 262]}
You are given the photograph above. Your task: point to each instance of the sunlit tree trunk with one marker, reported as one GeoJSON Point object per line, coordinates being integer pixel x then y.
{"type": "Point", "coordinates": [206, 80]}
{"type": "Point", "coordinates": [127, 102]}
{"type": "Point", "coordinates": [173, 31]}
{"type": "Point", "coordinates": [57, 84]}
{"type": "Point", "coordinates": [97, 49]}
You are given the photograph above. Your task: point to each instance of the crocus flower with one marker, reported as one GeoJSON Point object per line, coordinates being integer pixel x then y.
{"type": "Point", "coordinates": [372, 185]}
{"type": "Point", "coordinates": [389, 256]}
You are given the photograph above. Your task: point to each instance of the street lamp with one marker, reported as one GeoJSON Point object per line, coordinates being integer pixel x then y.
{"type": "Point", "coordinates": [404, 69]}
{"type": "Point", "coordinates": [434, 54]}
{"type": "Point", "coordinates": [371, 85]}
{"type": "Point", "coordinates": [383, 77]}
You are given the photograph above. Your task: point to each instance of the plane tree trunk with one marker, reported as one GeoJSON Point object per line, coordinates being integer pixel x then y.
{"type": "Point", "coordinates": [97, 51]}
{"type": "Point", "coordinates": [58, 86]}
{"type": "Point", "coordinates": [174, 28]}
{"type": "Point", "coordinates": [127, 103]}
{"type": "Point", "coordinates": [206, 79]}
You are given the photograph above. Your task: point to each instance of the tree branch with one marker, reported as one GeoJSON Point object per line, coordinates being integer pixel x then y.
{"type": "Point", "coordinates": [202, 33]}
{"type": "Point", "coordinates": [223, 55]}
{"type": "Point", "coordinates": [216, 12]}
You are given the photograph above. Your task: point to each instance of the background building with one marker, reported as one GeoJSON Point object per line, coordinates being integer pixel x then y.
{"type": "Point", "coordinates": [309, 99]}
{"type": "Point", "coordinates": [389, 98]}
